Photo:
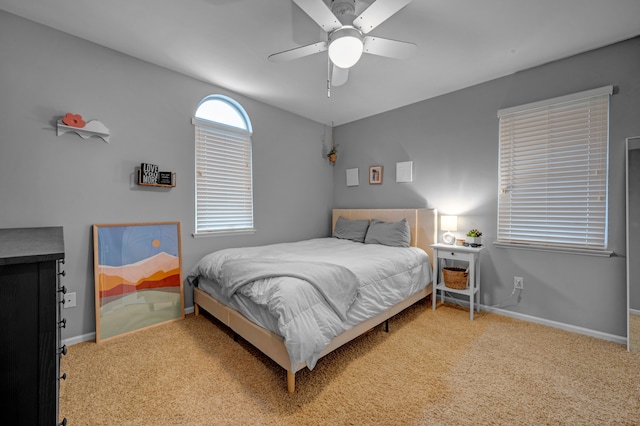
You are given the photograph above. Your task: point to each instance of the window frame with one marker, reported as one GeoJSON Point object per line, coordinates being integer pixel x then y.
{"type": "Point", "coordinates": [211, 139]}
{"type": "Point", "coordinates": [505, 223]}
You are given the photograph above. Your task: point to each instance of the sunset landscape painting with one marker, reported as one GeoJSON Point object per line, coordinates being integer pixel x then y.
{"type": "Point", "coordinates": [138, 280]}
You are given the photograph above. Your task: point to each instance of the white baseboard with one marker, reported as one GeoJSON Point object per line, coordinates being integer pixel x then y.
{"type": "Point", "coordinates": [567, 327]}
{"type": "Point", "coordinates": [70, 341]}
{"type": "Point", "coordinates": [634, 311]}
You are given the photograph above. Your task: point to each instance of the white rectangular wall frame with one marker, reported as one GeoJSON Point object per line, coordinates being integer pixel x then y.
{"type": "Point", "coordinates": [352, 177]}
{"type": "Point", "coordinates": [404, 171]}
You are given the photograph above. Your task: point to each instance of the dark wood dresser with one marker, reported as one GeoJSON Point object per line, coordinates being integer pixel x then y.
{"type": "Point", "coordinates": [30, 343]}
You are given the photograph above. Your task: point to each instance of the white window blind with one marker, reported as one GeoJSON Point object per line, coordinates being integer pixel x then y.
{"type": "Point", "coordinates": [553, 172]}
{"type": "Point", "coordinates": [224, 188]}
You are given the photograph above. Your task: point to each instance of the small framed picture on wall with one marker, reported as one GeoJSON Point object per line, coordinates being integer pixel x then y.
{"type": "Point", "coordinates": [375, 175]}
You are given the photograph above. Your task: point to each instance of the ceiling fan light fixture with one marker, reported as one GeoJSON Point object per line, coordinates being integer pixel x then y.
{"type": "Point", "coordinates": [345, 47]}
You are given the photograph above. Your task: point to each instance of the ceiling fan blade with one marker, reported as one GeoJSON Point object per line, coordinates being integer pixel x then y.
{"type": "Point", "coordinates": [377, 13]}
{"type": "Point", "coordinates": [389, 48]}
{"type": "Point", "coordinates": [320, 13]}
{"type": "Point", "coordinates": [298, 52]}
{"type": "Point", "coordinates": [339, 75]}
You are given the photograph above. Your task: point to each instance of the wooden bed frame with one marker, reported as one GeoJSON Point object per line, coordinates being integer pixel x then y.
{"type": "Point", "coordinates": [423, 225]}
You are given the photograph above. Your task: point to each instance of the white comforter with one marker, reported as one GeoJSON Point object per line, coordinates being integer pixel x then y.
{"type": "Point", "coordinates": [296, 309]}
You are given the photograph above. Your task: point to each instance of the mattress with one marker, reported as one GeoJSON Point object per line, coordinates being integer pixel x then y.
{"type": "Point", "coordinates": [385, 276]}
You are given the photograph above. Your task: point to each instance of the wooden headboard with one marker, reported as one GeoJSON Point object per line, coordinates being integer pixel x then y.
{"type": "Point", "coordinates": [422, 222]}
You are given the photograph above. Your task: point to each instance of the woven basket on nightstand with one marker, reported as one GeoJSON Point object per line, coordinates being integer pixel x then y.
{"type": "Point", "coordinates": [455, 277]}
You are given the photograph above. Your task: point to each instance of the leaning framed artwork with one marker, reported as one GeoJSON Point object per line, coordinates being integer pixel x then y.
{"type": "Point", "coordinates": [375, 175]}
{"type": "Point", "coordinates": [138, 278]}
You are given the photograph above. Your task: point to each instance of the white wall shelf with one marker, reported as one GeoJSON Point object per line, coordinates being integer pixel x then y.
{"type": "Point", "coordinates": [92, 128]}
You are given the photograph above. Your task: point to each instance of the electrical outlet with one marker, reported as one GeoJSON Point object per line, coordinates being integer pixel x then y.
{"type": "Point", "coordinates": [69, 300]}
{"type": "Point", "coordinates": [518, 283]}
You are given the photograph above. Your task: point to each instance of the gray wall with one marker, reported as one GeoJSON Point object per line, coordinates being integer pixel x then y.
{"type": "Point", "coordinates": [453, 143]}
{"type": "Point", "coordinates": [49, 180]}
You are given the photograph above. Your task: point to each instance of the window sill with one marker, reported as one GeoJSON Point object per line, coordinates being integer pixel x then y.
{"type": "Point", "coordinates": [566, 250]}
{"type": "Point", "coordinates": [223, 233]}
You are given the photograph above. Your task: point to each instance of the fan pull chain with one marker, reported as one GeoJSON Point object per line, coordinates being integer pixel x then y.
{"type": "Point", "coordinates": [328, 77]}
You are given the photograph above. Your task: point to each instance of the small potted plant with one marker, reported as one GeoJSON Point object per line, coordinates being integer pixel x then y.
{"type": "Point", "coordinates": [333, 154]}
{"type": "Point", "coordinates": [474, 238]}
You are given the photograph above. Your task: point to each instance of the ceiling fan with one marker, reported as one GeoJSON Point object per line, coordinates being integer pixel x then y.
{"type": "Point", "coordinates": [347, 37]}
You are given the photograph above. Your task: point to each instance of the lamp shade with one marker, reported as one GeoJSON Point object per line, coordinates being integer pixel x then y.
{"type": "Point", "coordinates": [345, 47]}
{"type": "Point", "coordinates": [449, 223]}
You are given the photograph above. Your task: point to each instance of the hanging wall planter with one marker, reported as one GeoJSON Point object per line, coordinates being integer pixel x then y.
{"type": "Point", "coordinates": [333, 154]}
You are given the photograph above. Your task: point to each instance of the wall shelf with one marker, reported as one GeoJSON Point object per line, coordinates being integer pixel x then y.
{"type": "Point", "coordinates": [92, 128]}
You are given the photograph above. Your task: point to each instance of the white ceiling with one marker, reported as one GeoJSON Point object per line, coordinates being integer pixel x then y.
{"type": "Point", "coordinates": [227, 42]}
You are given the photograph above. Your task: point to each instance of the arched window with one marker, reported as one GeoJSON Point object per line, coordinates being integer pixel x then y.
{"type": "Point", "coordinates": [224, 178]}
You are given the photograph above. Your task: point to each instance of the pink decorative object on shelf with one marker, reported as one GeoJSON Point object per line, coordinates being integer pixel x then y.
{"type": "Point", "coordinates": [73, 120]}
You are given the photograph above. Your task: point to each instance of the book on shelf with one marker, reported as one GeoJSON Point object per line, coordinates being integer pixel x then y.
{"type": "Point", "coordinates": [149, 173]}
{"type": "Point", "coordinates": [165, 178]}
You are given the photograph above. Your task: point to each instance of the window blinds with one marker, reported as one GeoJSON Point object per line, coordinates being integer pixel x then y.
{"type": "Point", "coordinates": [553, 172]}
{"type": "Point", "coordinates": [224, 189]}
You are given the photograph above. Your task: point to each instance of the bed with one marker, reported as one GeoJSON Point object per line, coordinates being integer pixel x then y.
{"type": "Point", "coordinates": [297, 302]}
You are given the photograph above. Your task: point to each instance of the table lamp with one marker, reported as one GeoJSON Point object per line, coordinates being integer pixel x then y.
{"type": "Point", "coordinates": [449, 224]}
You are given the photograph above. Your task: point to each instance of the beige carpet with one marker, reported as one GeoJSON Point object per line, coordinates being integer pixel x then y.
{"type": "Point", "coordinates": [634, 332]}
{"type": "Point", "coordinates": [432, 368]}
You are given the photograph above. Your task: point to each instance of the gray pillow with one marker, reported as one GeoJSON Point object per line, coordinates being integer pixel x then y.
{"type": "Point", "coordinates": [353, 230]}
{"type": "Point", "coordinates": [395, 234]}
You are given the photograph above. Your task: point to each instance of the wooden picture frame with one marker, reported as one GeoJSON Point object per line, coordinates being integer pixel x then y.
{"type": "Point", "coordinates": [138, 276]}
{"type": "Point", "coordinates": [375, 175]}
